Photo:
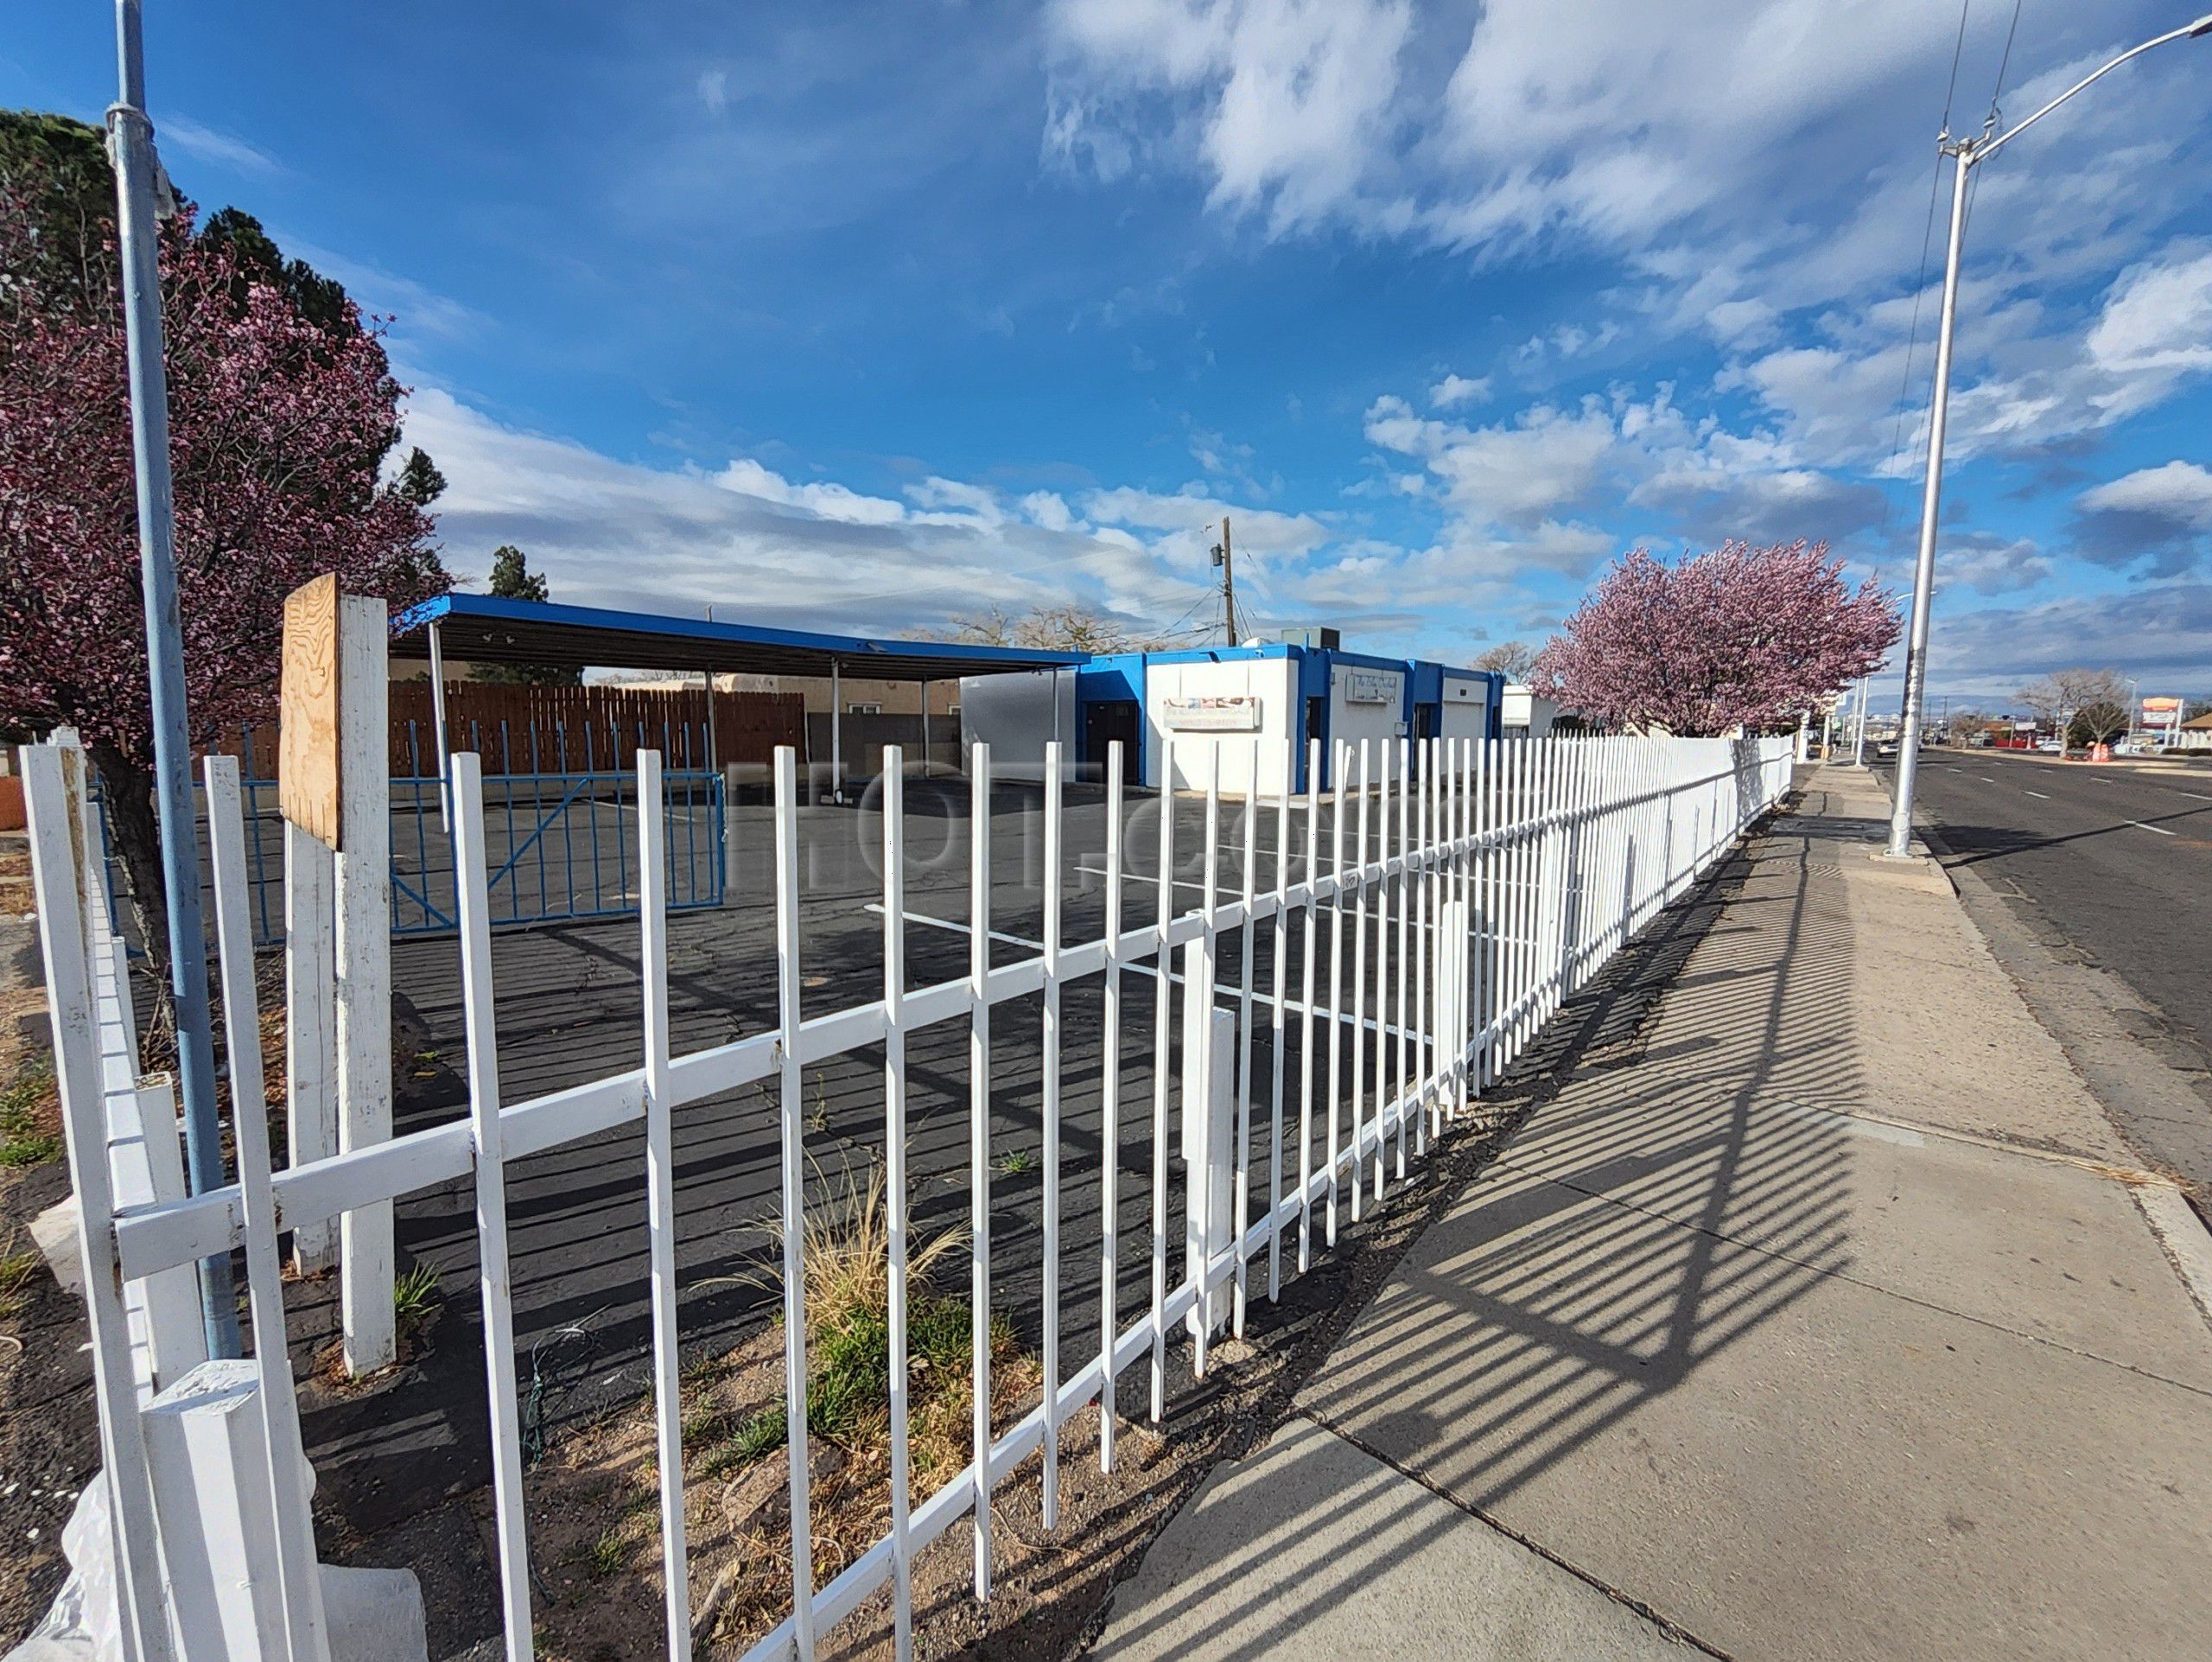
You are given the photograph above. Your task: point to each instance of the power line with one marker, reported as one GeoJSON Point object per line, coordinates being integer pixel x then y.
{"type": "Point", "coordinates": [1958, 50]}
{"type": "Point", "coordinates": [2004, 63]}
{"type": "Point", "coordinates": [1920, 282]}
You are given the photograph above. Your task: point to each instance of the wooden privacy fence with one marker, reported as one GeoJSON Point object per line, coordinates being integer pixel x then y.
{"type": "Point", "coordinates": [550, 729]}
{"type": "Point", "coordinates": [554, 729]}
{"type": "Point", "coordinates": [1353, 972]}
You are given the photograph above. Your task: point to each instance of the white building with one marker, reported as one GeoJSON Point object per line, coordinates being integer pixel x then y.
{"type": "Point", "coordinates": [1526, 714]}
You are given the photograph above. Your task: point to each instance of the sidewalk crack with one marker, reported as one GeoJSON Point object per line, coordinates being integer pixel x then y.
{"type": "Point", "coordinates": [1672, 1629]}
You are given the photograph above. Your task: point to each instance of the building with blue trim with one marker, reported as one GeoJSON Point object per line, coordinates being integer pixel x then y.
{"type": "Point", "coordinates": [1237, 714]}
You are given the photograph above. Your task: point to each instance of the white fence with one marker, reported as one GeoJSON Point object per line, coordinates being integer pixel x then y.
{"type": "Point", "coordinates": [1399, 944]}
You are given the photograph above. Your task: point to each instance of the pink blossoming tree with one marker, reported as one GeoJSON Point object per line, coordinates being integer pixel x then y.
{"type": "Point", "coordinates": [279, 425]}
{"type": "Point", "coordinates": [1740, 635]}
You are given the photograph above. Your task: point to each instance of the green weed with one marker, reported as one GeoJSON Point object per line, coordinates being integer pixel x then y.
{"type": "Point", "coordinates": [24, 1111]}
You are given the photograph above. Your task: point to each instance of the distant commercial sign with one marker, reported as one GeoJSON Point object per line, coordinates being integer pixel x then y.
{"type": "Point", "coordinates": [2162, 712]}
{"type": "Point", "coordinates": [1226, 715]}
{"type": "Point", "coordinates": [1370, 687]}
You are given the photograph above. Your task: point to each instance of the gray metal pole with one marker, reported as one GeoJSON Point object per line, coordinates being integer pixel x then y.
{"type": "Point", "coordinates": [131, 143]}
{"type": "Point", "coordinates": [1923, 573]}
{"type": "Point", "coordinates": [1858, 743]}
{"type": "Point", "coordinates": [1969, 151]}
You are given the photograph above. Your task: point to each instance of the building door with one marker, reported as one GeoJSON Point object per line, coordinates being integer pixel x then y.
{"type": "Point", "coordinates": [1103, 724]}
{"type": "Point", "coordinates": [1316, 722]}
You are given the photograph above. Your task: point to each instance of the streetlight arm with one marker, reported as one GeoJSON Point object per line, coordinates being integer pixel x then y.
{"type": "Point", "coordinates": [2203, 25]}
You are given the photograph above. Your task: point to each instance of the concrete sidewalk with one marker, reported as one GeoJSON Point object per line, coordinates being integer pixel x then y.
{"type": "Point", "coordinates": [1826, 1319]}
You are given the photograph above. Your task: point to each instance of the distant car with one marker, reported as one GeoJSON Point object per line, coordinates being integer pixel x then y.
{"type": "Point", "coordinates": [2051, 748]}
{"type": "Point", "coordinates": [1885, 749]}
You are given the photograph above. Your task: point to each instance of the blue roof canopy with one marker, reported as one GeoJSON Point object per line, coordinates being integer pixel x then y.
{"type": "Point", "coordinates": [485, 630]}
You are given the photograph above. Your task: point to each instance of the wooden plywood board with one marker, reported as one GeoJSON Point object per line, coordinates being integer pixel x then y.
{"type": "Point", "coordinates": [306, 771]}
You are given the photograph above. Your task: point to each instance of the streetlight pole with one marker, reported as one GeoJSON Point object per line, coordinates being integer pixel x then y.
{"type": "Point", "coordinates": [1858, 739]}
{"type": "Point", "coordinates": [131, 143]}
{"type": "Point", "coordinates": [1969, 153]}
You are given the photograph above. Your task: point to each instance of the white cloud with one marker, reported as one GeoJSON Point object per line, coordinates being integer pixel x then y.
{"type": "Point", "coordinates": [1455, 389]}
{"type": "Point", "coordinates": [1988, 565]}
{"type": "Point", "coordinates": [2159, 518]}
{"type": "Point", "coordinates": [216, 148]}
{"type": "Point", "coordinates": [1191, 520]}
{"type": "Point", "coordinates": [1048, 509]}
{"type": "Point", "coordinates": [714, 90]}
{"type": "Point", "coordinates": [1567, 342]}
{"type": "Point", "coordinates": [2026, 379]}
{"type": "Point", "coordinates": [611, 532]}
{"type": "Point", "coordinates": [828, 502]}
{"type": "Point", "coordinates": [2156, 327]}
{"type": "Point", "coordinates": [1285, 100]}
{"type": "Point", "coordinates": [1514, 472]}
{"type": "Point", "coordinates": [1753, 165]}
{"type": "Point", "coordinates": [2158, 630]}
{"type": "Point", "coordinates": [2180, 490]}
{"type": "Point", "coordinates": [414, 307]}
{"type": "Point", "coordinates": [952, 501]}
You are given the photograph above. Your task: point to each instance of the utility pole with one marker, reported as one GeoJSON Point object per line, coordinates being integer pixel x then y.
{"type": "Point", "coordinates": [1859, 743]}
{"type": "Point", "coordinates": [130, 145]}
{"type": "Point", "coordinates": [1225, 560]}
{"type": "Point", "coordinates": [1969, 153]}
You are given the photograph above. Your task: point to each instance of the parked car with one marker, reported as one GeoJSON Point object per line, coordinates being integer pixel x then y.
{"type": "Point", "coordinates": [2051, 748]}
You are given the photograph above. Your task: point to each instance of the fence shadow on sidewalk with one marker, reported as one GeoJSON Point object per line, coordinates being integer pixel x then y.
{"type": "Point", "coordinates": [1689, 1182]}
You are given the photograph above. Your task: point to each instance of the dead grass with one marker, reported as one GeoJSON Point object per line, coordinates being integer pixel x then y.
{"type": "Point", "coordinates": [16, 898]}
{"type": "Point", "coordinates": [16, 1269]}
{"type": "Point", "coordinates": [595, 1517]}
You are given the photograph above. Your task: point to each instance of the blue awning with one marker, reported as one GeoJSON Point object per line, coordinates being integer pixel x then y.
{"type": "Point", "coordinates": [485, 630]}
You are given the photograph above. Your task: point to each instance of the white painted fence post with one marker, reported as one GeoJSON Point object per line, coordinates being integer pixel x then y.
{"type": "Point", "coordinates": [310, 1025]}
{"type": "Point", "coordinates": [53, 782]}
{"type": "Point", "coordinates": [731, 887]}
{"type": "Point", "coordinates": [1208, 1118]}
{"type": "Point", "coordinates": [362, 868]}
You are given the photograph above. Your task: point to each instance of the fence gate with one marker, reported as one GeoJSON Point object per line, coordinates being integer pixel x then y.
{"type": "Point", "coordinates": [560, 847]}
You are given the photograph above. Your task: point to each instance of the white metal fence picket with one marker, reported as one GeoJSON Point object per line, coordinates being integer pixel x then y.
{"type": "Point", "coordinates": [1485, 882]}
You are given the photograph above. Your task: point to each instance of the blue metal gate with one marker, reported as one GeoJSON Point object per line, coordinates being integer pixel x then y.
{"type": "Point", "coordinates": [561, 847]}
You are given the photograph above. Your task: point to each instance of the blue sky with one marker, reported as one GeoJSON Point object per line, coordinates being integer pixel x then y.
{"type": "Point", "coordinates": [871, 317]}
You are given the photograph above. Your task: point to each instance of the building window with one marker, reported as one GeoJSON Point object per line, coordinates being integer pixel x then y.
{"type": "Point", "coordinates": [864, 709]}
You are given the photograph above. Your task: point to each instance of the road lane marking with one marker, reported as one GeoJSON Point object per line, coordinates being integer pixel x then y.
{"type": "Point", "coordinates": [1986, 779]}
{"type": "Point", "coordinates": [2161, 830]}
{"type": "Point", "coordinates": [2035, 793]}
{"type": "Point", "coordinates": [2199, 795]}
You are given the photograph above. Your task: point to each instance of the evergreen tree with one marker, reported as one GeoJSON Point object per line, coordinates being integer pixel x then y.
{"type": "Point", "coordinates": [512, 579]}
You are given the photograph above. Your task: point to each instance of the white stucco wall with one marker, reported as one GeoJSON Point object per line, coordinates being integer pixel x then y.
{"type": "Point", "coordinates": [1523, 710]}
{"type": "Point", "coordinates": [1465, 712]}
{"type": "Point", "coordinates": [1272, 682]}
{"type": "Point", "coordinates": [1351, 721]}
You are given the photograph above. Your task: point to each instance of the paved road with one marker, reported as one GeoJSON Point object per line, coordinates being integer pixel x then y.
{"type": "Point", "coordinates": [2111, 861]}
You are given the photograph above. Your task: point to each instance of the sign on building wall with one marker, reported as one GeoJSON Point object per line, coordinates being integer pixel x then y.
{"type": "Point", "coordinates": [1229, 715]}
{"type": "Point", "coordinates": [1370, 687]}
